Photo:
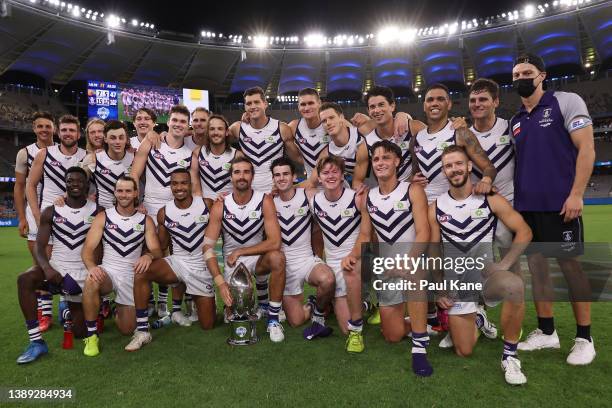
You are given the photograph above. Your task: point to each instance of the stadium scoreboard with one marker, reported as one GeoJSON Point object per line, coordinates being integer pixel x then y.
{"type": "Point", "coordinates": [102, 99]}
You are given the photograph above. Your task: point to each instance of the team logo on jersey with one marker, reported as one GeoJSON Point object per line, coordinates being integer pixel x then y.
{"type": "Point", "coordinates": [171, 224]}
{"type": "Point", "coordinates": [546, 112]}
{"type": "Point", "coordinates": [201, 219]}
{"type": "Point", "coordinates": [105, 171]}
{"type": "Point", "coordinates": [503, 140]}
{"type": "Point", "coordinates": [403, 146]}
{"type": "Point", "coordinates": [400, 206]}
{"type": "Point", "coordinates": [59, 220]}
{"type": "Point", "coordinates": [229, 216]}
{"type": "Point", "coordinates": [442, 145]}
{"type": "Point", "coordinates": [347, 212]}
{"type": "Point", "coordinates": [227, 166]}
{"type": "Point", "coordinates": [247, 139]}
{"type": "Point", "coordinates": [203, 163]}
{"type": "Point", "coordinates": [444, 218]}
{"type": "Point", "coordinates": [302, 211]}
{"type": "Point", "coordinates": [479, 213]}
{"type": "Point", "coordinates": [301, 140]}
{"type": "Point", "coordinates": [321, 214]}
{"type": "Point", "coordinates": [325, 139]}
{"type": "Point", "coordinates": [546, 118]}
{"type": "Point", "coordinates": [55, 163]}
{"type": "Point", "coordinates": [111, 226]}
{"type": "Point", "coordinates": [516, 129]}
{"type": "Point", "coordinates": [158, 155]}
{"type": "Point", "coordinates": [568, 236]}
{"type": "Point", "coordinates": [89, 219]}
{"type": "Point", "coordinates": [138, 227]}
{"type": "Point", "coordinates": [182, 163]}
{"type": "Point", "coordinates": [253, 215]}
{"type": "Point", "coordinates": [372, 209]}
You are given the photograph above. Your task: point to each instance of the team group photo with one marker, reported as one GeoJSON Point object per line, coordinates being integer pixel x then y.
{"type": "Point", "coordinates": [313, 227]}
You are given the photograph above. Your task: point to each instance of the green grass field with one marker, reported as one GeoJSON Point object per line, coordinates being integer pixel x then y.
{"type": "Point", "coordinates": [190, 367]}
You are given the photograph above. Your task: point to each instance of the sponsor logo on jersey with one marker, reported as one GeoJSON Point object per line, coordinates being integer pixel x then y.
{"type": "Point", "coordinates": [321, 214]}
{"type": "Point", "coordinates": [444, 218]}
{"type": "Point", "coordinates": [171, 224]}
{"type": "Point", "coordinates": [59, 220]}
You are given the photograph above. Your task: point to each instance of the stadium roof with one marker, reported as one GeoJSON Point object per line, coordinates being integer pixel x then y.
{"type": "Point", "coordinates": [62, 49]}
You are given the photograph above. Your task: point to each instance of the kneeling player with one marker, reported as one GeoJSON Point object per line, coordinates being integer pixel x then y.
{"type": "Point", "coordinates": [398, 213]}
{"type": "Point", "coordinates": [302, 265]}
{"type": "Point", "coordinates": [65, 271]}
{"type": "Point", "coordinates": [183, 222]}
{"type": "Point", "coordinates": [244, 217]}
{"type": "Point", "coordinates": [123, 232]}
{"type": "Point", "coordinates": [465, 223]}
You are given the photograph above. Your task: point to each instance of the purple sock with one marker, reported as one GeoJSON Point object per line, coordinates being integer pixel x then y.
{"type": "Point", "coordinates": [91, 328]}
{"type": "Point", "coordinates": [420, 364]}
{"type": "Point", "coordinates": [509, 350]}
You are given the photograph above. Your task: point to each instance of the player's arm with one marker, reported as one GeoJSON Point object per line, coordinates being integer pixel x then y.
{"type": "Point", "coordinates": [291, 148]}
{"type": "Point", "coordinates": [162, 232]}
{"type": "Point", "coordinates": [361, 166]}
{"type": "Point", "coordinates": [194, 171]}
{"type": "Point", "coordinates": [213, 230]}
{"type": "Point", "coordinates": [234, 132]}
{"type": "Point", "coordinates": [476, 153]}
{"type": "Point", "coordinates": [416, 176]}
{"type": "Point", "coordinates": [42, 240]}
{"type": "Point", "coordinates": [515, 223]}
{"type": "Point", "coordinates": [363, 122]}
{"type": "Point", "coordinates": [140, 159]}
{"type": "Point", "coordinates": [365, 232]}
{"type": "Point", "coordinates": [434, 251]}
{"type": "Point", "coordinates": [35, 176]}
{"type": "Point", "coordinates": [418, 199]}
{"type": "Point", "coordinates": [583, 141]}
{"type": "Point", "coordinates": [293, 126]}
{"type": "Point", "coordinates": [313, 180]}
{"type": "Point", "coordinates": [19, 191]}
{"type": "Point", "coordinates": [90, 253]}
{"type": "Point", "coordinates": [153, 248]}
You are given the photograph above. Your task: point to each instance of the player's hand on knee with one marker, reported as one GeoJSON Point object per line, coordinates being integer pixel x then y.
{"type": "Point", "coordinates": [97, 274]}
{"type": "Point", "coordinates": [52, 275]}
{"type": "Point", "coordinates": [143, 263]}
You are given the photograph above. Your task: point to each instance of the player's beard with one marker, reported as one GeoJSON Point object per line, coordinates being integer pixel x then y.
{"type": "Point", "coordinates": [462, 182]}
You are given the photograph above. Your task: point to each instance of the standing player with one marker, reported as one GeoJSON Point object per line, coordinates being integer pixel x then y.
{"type": "Point", "coordinates": [181, 223]}
{"type": "Point", "coordinates": [346, 143]}
{"type": "Point", "coordinates": [465, 223]}
{"type": "Point", "coordinates": [159, 163]}
{"type": "Point", "coordinates": [108, 164]}
{"type": "Point", "coordinates": [263, 139]}
{"type": "Point", "coordinates": [339, 214]}
{"type": "Point", "coordinates": [199, 122]}
{"type": "Point", "coordinates": [251, 235]}
{"type": "Point", "coordinates": [43, 125]}
{"type": "Point", "coordinates": [123, 232]}
{"type": "Point", "coordinates": [397, 212]}
{"type": "Point", "coordinates": [210, 163]}
{"type": "Point", "coordinates": [49, 170]}
{"type": "Point", "coordinates": [555, 152]}
{"type": "Point", "coordinates": [94, 133]}
{"type": "Point", "coordinates": [302, 265]}
{"type": "Point", "coordinates": [144, 122]}
{"type": "Point", "coordinates": [64, 272]}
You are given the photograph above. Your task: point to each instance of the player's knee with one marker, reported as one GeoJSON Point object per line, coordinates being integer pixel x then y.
{"type": "Point", "coordinates": [463, 350]}
{"type": "Point", "coordinates": [127, 329]}
{"type": "Point", "coordinates": [277, 261]}
{"type": "Point", "coordinates": [392, 336]}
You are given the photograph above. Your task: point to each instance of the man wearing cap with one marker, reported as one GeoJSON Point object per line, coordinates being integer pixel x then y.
{"type": "Point", "coordinates": [553, 136]}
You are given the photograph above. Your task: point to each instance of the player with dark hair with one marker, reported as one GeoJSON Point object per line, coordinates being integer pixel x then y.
{"type": "Point", "coordinates": [144, 122]}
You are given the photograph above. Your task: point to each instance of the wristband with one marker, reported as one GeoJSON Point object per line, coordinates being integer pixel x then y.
{"type": "Point", "coordinates": [219, 280]}
{"type": "Point", "coordinates": [210, 253]}
{"type": "Point", "coordinates": [209, 241]}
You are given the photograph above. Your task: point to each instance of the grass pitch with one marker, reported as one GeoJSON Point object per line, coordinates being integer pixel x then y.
{"type": "Point", "coordinates": [190, 367]}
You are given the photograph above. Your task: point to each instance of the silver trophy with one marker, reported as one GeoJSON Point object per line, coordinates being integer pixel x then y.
{"type": "Point", "coordinates": [243, 329]}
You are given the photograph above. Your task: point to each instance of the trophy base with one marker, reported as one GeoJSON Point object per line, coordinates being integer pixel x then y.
{"type": "Point", "coordinates": [243, 331]}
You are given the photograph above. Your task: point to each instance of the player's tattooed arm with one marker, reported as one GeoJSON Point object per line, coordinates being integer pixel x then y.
{"type": "Point", "coordinates": [194, 172]}
{"type": "Point", "coordinates": [467, 139]}
{"type": "Point", "coordinates": [289, 143]}
{"type": "Point", "coordinates": [515, 223]}
{"type": "Point", "coordinates": [361, 166]}
{"type": "Point", "coordinates": [42, 240]}
{"type": "Point", "coordinates": [35, 176]}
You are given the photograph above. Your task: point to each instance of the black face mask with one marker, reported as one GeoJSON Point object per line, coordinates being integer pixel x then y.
{"type": "Point", "coordinates": [524, 87]}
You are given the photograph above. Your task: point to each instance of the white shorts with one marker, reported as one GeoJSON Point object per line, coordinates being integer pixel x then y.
{"type": "Point", "coordinates": [339, 275]}
{"type": "Point", "coordinates": [297, 272]}
{"type": "Point", "coordinates": [32, 227]}
{"type": "Point", "coordinates": [198, 281]}
{"type": "Point", "coordinates": [123, 285]}
{"type": "Point", "coordinates": [78, 272]}
{"type": "Point", "coordinates": [463, 308]}
{"type": "Point", "coordinates": [249, 261]}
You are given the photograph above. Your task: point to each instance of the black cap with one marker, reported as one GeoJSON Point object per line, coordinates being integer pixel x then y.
{"type": "Point", "coordinates": [532, 59]}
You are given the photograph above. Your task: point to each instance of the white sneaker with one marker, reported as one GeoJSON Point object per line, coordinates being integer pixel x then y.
{"type": "Point", "coordinates": [282, 316]}
{"type": "Point", "coordinates": [139, 339]}
{"type": "Point", "coordinates": [512, 371]}
{"type": "Point", "coordinates": [162, 310]}
{"type": "Point", "coordinates": [537, 340]}
{"type": "Point", "coordinates": [180, 319]}
{"type": "Point", "coordinates": [582, 353]}
{"type": "Point", "coordinates": [446, 342]}
{"type": "Point", "coordinates": [194, 313]}
{"type": "Point", "coordinates": [488, 328]}
{"type": "Point", "coordinates": [276, 332]}
{"type": "Point", "coordinates": [431, 331]}
{"type": "Point", "coordinates": [261, 312]}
